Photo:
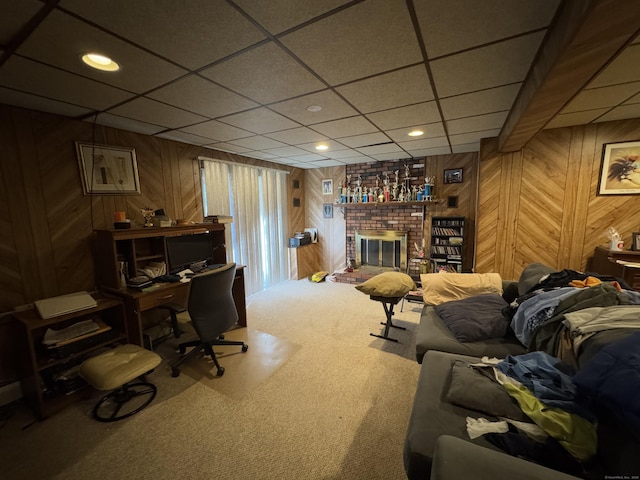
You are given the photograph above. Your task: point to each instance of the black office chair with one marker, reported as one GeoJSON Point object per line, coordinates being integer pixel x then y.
{"type": "Point", "coordinates": [211, 311]}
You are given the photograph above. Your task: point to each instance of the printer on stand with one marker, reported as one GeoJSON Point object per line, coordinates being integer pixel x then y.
{"type": "Point", "coordinates": [300, 238]}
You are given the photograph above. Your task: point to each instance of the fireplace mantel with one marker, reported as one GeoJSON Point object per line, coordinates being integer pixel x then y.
{"type": "Point", "coordinates": [387, 204]}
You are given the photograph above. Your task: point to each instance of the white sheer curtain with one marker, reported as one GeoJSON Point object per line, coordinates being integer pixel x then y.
{"type": "Point", "coordinates": [256, 198]}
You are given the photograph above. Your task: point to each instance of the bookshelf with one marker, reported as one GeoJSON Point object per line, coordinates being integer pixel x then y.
{"type": "Point", "coordinates": [447, 243]}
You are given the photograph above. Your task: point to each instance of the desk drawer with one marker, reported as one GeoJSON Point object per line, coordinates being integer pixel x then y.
{"type": "Point", "coordinates": [162, 297]}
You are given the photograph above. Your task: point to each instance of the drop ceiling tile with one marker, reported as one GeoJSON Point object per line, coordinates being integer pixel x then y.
{"type": "Point", "coordinates": [262, 155]}
{"type": "Point", "coordinates": [623, 112]}
{"type": "Point", "coordinates": [297, 136]}
{"type": "Point", "coordinates": [425, 143]}
{"type": "Point", "coordinates": [35, 102]}
{"type": "Point", "coordinates": [420, 113]}
{"type": "Point", "coordinates": [357, 159]}
{"type": "Point", "coordinates": [346, 127]}
{"type": "Point", "coordinates": [217, 130]}
{"type": "Point", "coordinates": [477, 123]}
{"type": "Point", "coordinates": [227, 147]}
{"type": "Point", "coordinates": [431, 130]}
{"type": "Point", "coordinates": [489, 21]}
{"type": "Point", "coordinates": [184, 137]}
{"type": "Point", "coordinates": [310, 157]}
{"type": "Point", "coordinates": [634, 99]}
{"type": "Point", "coordinates": [340, 154]}
{"type": "Point", "coordinates": [478, 103]}
{"type": "Point", "coordinates": [378, 149]}
{"type": "Point", "coordinates": [602, 97]}
{"type": "Point", "coordinates": [487, 67]}
{"type": "Point", "coordinates": [618, 70]}
{"type": "Point", "coordinates": [365, 140]}
{"type": "Point", "coordinates": [260, 120]}
{"type": "Point", "coordinates": [280, 15]}
{"type": "Point", "coordinates": [200, 31]}
{"type": "Point", "coordinates": [60, 40]}
{"type": "Point", "coordinates": [150, 111]}
{"type": "Point", "coordinates": [396, 89]}
{"type": "Point", "coordinates": [305, 166]}
{"type": "Point", "coordinates": [333, 146]}
{"type": "Point", "coordinates": [265, 74]}
{"type": "Point", "coordinates": [472, 137]}
{"type": "Point", "coordinates": [391, 156]}
{"type": "Point", "coordinates": [427, 152]}
{"type": "Point", "coordinates": [201, 96]}
{"type": "Point", "coordinates": [258, 143]}
{"type": "Point", "coordinates": [286, 151]}
{"type": "Point", "coordinates": [328, 163]}
{"type": "Point", "coordinates": [333, 108]}
{"type": "Point", "coordinates": [116, 121]}
{"type": "Point", "coordinates": [577, 118]}
{"type": "Point", "coordinates": [360, 41]}
{"type": "Point", "coordinates": [14, 16]}
{"type": "Point", "coordinates": [466, 148]}
{"type": "Point", "coordinates": [32, 77]}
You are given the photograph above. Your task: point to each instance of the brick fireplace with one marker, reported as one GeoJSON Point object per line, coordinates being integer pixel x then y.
{"type": "Point", "coordinates": [394, 216]}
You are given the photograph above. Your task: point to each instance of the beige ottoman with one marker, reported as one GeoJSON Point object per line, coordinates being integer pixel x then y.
{"type": "Point", "coordinates": [113, 370]}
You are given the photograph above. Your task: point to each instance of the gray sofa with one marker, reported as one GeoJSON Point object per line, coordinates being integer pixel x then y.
{"type": "Point", "coordinates": [426, 455]}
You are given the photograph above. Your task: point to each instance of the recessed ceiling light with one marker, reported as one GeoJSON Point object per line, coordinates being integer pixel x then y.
{"type": "Point", "coordinates": [322, 147]}
{"type": "Point", "coordinates": [415, 133]}
{"type": "Point", "coordinates": [314, 108]}
{"type": "Point", "coordinates": [100, 62]}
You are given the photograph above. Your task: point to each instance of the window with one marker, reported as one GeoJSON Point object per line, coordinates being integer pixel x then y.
{"type": "Point", "coordinates": [256, 199]}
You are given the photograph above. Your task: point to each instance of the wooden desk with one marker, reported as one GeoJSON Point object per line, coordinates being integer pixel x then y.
{"type": "Point", "coordinates": [137, 302]}
{"type": "Point", "coordinates": [604, 261]}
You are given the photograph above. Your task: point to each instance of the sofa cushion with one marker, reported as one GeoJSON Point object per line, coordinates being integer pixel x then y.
{"type": "Point", "coordinates": [455, 458]}
{"type": "Point", "coordinates": [438, 288]}
{"type": "Point", "coordinates": [475, 318]}
{"type": "Point", "coordinates": [433, 334]}
{"type": "Point", "coordinates": [388, 284]}
{"type": "Point", "coordinates": [432, 415]}
{"type": "Point", "coordinates": [472, 389]}
{"type": "Point", "coordinates": [531, 276]}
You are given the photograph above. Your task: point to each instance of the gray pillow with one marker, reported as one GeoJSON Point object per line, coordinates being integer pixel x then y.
{"type": "Point", "coordinates": [472, 389]}
{"type": "Point", "coordinates": [475, 318]}
{"type": "Point", "coordinates": [531, 276]}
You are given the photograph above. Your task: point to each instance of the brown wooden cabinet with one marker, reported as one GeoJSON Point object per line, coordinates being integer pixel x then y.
{"type": "Point", "coordinates": [617, 263]}
{"type": "Point", "coordinates": [47, 374]}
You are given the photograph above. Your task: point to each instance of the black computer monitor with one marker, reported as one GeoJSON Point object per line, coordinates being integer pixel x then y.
{"type": "Point", "coordinates": [184, 251]}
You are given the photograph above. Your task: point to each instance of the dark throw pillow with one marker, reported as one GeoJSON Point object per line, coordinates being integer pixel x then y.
{"type": "Point", "coordinates": [475, 318]}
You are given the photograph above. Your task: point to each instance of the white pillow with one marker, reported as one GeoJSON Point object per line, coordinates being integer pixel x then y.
{"type": "Point", "coordinates": [443, 287]}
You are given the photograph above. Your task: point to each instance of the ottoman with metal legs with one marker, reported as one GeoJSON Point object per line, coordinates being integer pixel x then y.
{"type": "Point", "coordinates": [115, 370]}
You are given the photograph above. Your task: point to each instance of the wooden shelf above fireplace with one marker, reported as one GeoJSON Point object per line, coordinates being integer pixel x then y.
{"type": "Point", "coordinates": [388, 204]}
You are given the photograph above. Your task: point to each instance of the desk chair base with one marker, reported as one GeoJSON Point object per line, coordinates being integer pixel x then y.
{"type": "Point", "coordinates": [388, 303]}
{"type": "Point", "coordinates": [208, 350]}
{"type": "Point", "coordinates": [114, 402]}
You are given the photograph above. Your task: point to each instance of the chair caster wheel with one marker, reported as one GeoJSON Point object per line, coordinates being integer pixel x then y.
{"type": "Point", "coordinates": [220, 371]}
{"type": "Point", "coordinates": [221, 337]}
{"type": "Point", "coordinates": [175, 372]}
{"type": "Point", "coordinates": [245, 348]}
{"type": "Point", "coordinates": [182, 350]}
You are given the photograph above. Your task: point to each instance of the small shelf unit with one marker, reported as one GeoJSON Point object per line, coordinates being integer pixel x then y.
{"type": "Point", "coordinates": [447, 243]}
{"type": "Point", "coordinates": [47, 385]}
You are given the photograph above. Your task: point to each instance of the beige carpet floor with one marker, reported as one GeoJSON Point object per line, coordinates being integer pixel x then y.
{"type": "Point", "coordinates": [329, 401]}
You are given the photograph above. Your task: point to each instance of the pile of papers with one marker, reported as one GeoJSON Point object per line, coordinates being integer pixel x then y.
{"type": "Point", "coordinates": [72, 333]}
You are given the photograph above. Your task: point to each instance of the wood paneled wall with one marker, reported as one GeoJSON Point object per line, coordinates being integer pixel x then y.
{"type": "Point", "coordinates": [540, 204]}
{"type": "Point", "coordinates": [331, 231]}
{"type": "Point", "coordinates": [46, 221]}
